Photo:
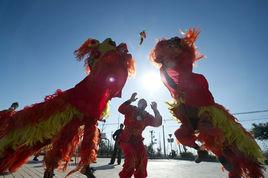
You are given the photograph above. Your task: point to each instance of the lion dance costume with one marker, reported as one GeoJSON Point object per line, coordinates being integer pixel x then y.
{"type": "Point", "coordinates": [201, 118]}
{"type": "Point", "coordinates": [57, 120]}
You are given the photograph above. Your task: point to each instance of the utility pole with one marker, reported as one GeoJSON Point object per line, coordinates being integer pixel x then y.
{"type": "Point", "coordinates": [160, 142]}
{"type": "Point", "coordinates": [164, 142]}
{"type": "Point", "coordinates": [118, 121]}
{"type": "Point", "coordinates": [179, 145]}
{"type": "Point", "coordinates": [111, 137]}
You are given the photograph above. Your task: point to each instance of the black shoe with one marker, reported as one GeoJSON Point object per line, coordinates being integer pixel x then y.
{"type": "Point", "coordinates": [35, 159]}
{"type": "Point", "coordinates": [118, 163]}
{"type": "Point", "coordinates": [110, 163]}
{"type": "Point", "coordinates": [92, 169]}
{"type": "Point", "coordinates": [89, 173]}
{"type": "Point", "coordinates": [201, 156]}
{"type": "Point", "coordinates": [225, 163]}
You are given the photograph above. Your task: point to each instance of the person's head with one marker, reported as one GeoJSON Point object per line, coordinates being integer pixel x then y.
{"type": "Point", "coordinates": [121, 126]}
{"type": "Point", "coordinates": [14, 106]}
{"type": "Point", "coordinates": [142, 104]}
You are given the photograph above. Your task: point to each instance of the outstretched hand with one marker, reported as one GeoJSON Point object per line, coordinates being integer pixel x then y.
{"type": "Point", "coordinates": [154, 105]}
{"type": "Point", "coordinates": [133, 97]}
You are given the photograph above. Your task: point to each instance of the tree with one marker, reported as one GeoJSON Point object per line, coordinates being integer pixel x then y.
{"type": "Point", "coordinates": [150, 150]}
{"type": "Point", "coordinates": [260, 131]}
{"type": "Point", "coordinates": [159, 153]}
{"type": "Point", "coordinates": [105, 148]}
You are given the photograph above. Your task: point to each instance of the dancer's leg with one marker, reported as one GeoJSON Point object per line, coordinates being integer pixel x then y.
{"type": "Point", "coordinates": [141, 163]}
{"type": "Point", "coordinates": [129, 163]}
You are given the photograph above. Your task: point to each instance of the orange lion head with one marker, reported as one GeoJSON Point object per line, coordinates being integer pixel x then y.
{"type": "Point", "coordinates": [93, 52]}
{"type": "Point", "coordinates": [177, 52]}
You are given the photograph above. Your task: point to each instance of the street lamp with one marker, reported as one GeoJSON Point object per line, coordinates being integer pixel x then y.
{"type": "Point", "coordinates": [170, 140]}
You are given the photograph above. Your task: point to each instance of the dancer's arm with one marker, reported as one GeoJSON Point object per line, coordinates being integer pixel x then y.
{"type": "Point", "coordinates": [155, 121]}
{"type": "Point", "coordinates": [126, 107]}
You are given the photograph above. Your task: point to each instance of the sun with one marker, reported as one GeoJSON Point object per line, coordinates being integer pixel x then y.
{"type": "Point", "coordinates": [151, 81]}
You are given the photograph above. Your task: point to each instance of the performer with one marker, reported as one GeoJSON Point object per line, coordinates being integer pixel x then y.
{"type": "Point", "coordinates": [131, 140]}
{"type": "Point", "coordinates": [57, 120]}
{"type": "Point", "coordinates": [13, 106]}
{"type": "Point", "coordinates": [6, 113]}
{"type": "Point", "coordinates": [117, 150]}
{"type": "Point", "coordinates": [195, 108]}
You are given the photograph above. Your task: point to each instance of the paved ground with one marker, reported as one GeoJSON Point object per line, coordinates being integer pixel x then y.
{"type": "Point", "coordinates": [156, 169]}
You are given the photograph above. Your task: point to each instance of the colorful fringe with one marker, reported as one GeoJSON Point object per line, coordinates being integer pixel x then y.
{"type": "Point", "coordinates": [88, 151]}
{"type": "Point", "coordinates": [234, 143]}
{"type": "Point", "coordinates": [106, 111]}
{"type": "Point", "coordinates": [233, 132]}
{"type": "Point", "coordinates": [171, 107]}
{"type": "Point", "coordinates": [38, 132]}
{"type": "Point", "coordinates": [32, 128]}
{"type": "Point", "coordinates": [230, 139]}
{"type": "Point", "coordinates": [63, 145]}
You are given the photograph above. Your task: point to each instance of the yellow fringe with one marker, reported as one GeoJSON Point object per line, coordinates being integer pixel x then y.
{"type": "Point", "coordinates": [38, 132]}
{"type": "Point", "coordinates": [106, 112]}
{"type": "Point", "coordinates": [174, 104]}
{"type": "Point", "coordinates": [234, 133]}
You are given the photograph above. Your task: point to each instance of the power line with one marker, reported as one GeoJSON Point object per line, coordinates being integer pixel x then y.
{"type": "Point", "coordinates": [238, 120]}
{"type": "Point", "coordinates": [250, 112]}
{"type": "Point", "coordinates": [253, 119]}
{"type": "Point", "coordinates": [238, 113]}
{"type": "Point", "coordinates": [176, 121]}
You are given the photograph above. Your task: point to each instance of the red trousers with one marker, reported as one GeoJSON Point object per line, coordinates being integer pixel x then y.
{"type": "Point", "coordinates": [135, 160]}
{"type": "Point", "coordinates": [212, 138]}
{"type": "Point", "coordinates": [186, 136]}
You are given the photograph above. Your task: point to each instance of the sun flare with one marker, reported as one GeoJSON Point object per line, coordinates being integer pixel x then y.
{"type": "Point", "coordinates": [151, 81]}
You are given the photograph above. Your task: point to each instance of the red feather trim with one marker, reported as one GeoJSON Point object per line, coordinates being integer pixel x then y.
{"type": "Point", "coordinates": [35, 113]}
{"type": "Point", "coordinates": [13, 159]}
{"type": "Point", "coordinates": [63, 145]}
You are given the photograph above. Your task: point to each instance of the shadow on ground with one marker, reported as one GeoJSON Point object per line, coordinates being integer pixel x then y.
{"type": "Point", "coordinates": [4, 173]}
{"type": "Point", "coordinates": [103, 167]}
{"type": "Point", "coordinates": [34, 162]}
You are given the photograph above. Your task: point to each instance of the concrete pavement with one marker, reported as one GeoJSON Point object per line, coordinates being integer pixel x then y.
{"type": "Point", "coordinates": [161, 168]}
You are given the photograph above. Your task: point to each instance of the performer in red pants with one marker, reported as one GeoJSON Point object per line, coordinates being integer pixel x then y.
{"type": "Point", "coordinates": [131, 140]}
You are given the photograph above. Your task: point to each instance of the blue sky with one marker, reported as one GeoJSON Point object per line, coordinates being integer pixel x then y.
{"type": "Point", "coordinates": [37, 40]}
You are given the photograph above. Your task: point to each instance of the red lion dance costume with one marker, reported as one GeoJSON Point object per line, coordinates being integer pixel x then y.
{"type": "Point", "coordinates": [201, 118]}
{"type": "Point", "coordinates": [57, 120]}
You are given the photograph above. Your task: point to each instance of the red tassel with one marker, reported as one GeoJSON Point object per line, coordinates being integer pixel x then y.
{"type": "Point", "coordinates": [63, 145]}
